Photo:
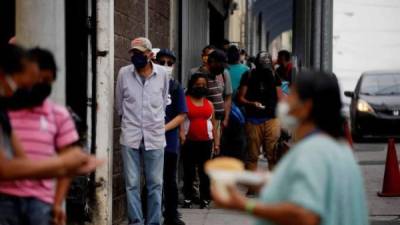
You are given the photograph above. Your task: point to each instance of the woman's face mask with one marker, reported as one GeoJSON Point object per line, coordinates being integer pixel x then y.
{"type": "Point", "coordinates": [169, 70]}
{"type": "Point", "coordinates": [291, 112]}
{"type": "Point", "coordinates": [288, 121]}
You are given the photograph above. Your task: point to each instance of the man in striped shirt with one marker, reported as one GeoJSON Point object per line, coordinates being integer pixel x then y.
{"type": "Point", "coordinates": [44, 131]}
{"type": "Point", "coordinates": [219, 84]}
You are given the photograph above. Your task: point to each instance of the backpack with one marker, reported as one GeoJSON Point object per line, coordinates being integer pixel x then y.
{"type": "Point", "coordinates": [236, 115]}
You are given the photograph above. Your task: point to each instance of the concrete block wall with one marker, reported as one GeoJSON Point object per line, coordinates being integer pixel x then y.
{"type": "Point", "coordinates": [129, 22]}
{"type": "Point", "coordinates": [159, 20]}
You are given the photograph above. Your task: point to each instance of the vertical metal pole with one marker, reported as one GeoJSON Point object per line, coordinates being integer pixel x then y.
{"type": "Point", "coordinates": [104, 106]}
{"type": "Point", "coordinates": [146, 18]}
{"type": "Point", "coordinates": [327, 30]}
{"type": "Point", "coordinates": [316, 34]}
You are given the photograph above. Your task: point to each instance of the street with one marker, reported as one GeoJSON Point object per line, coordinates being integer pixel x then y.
{"type": "Point", "coordinates": [371, 157]}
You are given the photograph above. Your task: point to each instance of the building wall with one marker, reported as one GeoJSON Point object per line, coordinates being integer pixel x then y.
{"type": "Point", "coordinates": [129, 22]}
{"type": "Point", "coordinates": [159, 27]}
{"type": "Point", "coordinates": [237, 24]}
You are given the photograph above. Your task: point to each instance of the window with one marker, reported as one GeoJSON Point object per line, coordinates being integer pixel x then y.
{"type": "Point", "coordinates": [381, 84]}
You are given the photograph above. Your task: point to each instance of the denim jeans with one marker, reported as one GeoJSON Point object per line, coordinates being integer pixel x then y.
{"type": "Point", "coordinates": [153, 161]}
{"type": "Point", "coordinates": [24, 211]}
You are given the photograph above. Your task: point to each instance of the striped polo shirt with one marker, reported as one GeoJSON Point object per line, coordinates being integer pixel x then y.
{"type": "Point", "coordinates": [218, 88]}
{"type": "Point", "coordinates": [215, 95]}
{"type": "Point", "coordinates": [42, 131]}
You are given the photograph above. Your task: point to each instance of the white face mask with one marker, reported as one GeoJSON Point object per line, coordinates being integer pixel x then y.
{"type": "Point", "coordinates": [287, 121]}
{"type": "Point", "coordinates": [169, 70]}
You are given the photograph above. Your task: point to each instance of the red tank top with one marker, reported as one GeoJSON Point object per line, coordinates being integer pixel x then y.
{"type": "Point", "coordinates": [200, 127]}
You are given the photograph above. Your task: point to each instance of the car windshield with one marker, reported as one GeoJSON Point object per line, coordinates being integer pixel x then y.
{"type": "Point", "coordinates": [381, 84]}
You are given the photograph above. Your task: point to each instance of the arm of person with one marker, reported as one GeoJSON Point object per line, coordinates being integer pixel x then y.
{"type": "Point", "coordinates": [62, 187]}
{"type": "Point", "coordinates": [165, 92]}
{"type": "Point", "coordinates": [279, 213]}
{"type": "Point", "coordinates": [175, 122]}
{"type": "Point", "coordinates": [71, 163]}
{"type": "Point", "coordinates": [119, 94]}
{"type": "Point", "coordinates": [228, 97]}
{"type": "Point", "coordinates": [243, 91]}
{"type": "Point", "coordinates": [182, 135]}
{"type": "Point", "coordinates": [227, 106]}
{"type": "Point", "coordinates": [59, 216]}
{"type": "Point", "coordinates": [286, 214]}
{"type": "Point", "coordinates": [242, 97]}
{"type": "Point", "coordinates": [215, 132]}
{"type": "Point", "coordinates": [178, 97]}
{"type": "Point", "coordinates": [279, 93]}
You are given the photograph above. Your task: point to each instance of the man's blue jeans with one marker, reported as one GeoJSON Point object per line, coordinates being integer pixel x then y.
{"type": "Point", "coordinates": [27, 211]}
{"type": "Point", "coordinates": [153, 161]}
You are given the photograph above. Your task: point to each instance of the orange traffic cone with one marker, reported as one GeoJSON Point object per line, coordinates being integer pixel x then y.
{"type": "Point", "coordinates": [391, 182]}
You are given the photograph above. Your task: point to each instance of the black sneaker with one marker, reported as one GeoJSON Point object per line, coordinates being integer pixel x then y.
{"type": "Point", "coordinates": [205, 204]}
{"type": "Point", "coordinates": [196, 200]}
{"type": "Point", "coordinates": [174, 221]}
{"type": "Point", "coordinates": [187, 204]}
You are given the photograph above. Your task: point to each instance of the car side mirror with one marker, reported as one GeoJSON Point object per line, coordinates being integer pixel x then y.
{"type": "Point", "coordinates": [349, 94]}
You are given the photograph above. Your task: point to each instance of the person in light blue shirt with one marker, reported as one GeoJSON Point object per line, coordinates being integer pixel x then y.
{"type": "Point", "coordinates": [318, 182]}
{"type": "Point", "coordinates": [235, 68]}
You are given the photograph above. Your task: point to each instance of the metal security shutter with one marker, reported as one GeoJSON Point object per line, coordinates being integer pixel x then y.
{"type": "Point", "coordinates": [194, 33]}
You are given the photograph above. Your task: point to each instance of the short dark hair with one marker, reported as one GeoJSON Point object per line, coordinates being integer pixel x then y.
{"type": "Point", "coordinates": [218, 56]}
{"type": "Point", "coordinates": [44, 59]}
{"type": "Point", "coordinates": [286, 55]}
{"type": "Point", "coordinates": [208, 47]}
{"type": "Point", "coordinates": [11, 59]}
{"type": "Point", "coordinates": [323, 90]}
{"type": "Point", "coordinates": [193, 79]}
{"type": "Point", "coordinates": [233, 54]}
{"type": "Point", "coordinates": [226, 42]}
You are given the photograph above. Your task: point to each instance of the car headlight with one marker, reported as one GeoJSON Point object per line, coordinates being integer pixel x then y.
{"type": "Point", "coordinates": [363, 106]}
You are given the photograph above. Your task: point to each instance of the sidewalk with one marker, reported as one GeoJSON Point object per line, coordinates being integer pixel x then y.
{"type": "Point", "coordinates": [214, 217]}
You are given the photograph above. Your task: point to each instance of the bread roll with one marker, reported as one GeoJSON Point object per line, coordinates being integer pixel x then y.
{"type": "Point", "coordinates": [224, 163]}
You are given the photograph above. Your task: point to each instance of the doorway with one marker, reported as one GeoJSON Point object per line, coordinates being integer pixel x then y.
{"type": "Point", "coordinates": [217, 27]}
{"type": "Point", "coordinates": [7, 20]}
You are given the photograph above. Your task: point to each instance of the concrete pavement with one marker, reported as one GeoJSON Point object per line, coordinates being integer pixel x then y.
{"type": "Point", "coordinates": [214, 217]}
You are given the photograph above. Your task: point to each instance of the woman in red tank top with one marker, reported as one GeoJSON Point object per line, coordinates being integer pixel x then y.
{"type": "Point", "coordinates": [201, 139]}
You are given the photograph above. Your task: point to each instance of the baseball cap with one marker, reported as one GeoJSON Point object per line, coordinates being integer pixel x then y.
{"type": "Point", "coordinates": [166, 52]}
{"type": "Point", "coordinates": [141, 43]}
{"type": "Point", "coordinates": [264, 59]}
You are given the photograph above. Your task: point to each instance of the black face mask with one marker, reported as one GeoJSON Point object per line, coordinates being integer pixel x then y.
{"type": "Point", "coordinates": [26, 98]}
{"type": "Point", "coordinates": [40, 92]}
{"type": "Point", "coordinates": [139, 61]}
{"type": "Point", "coordinates": [199, 92]}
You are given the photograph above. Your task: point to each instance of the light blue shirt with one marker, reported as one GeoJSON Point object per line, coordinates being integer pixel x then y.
{"type": "Point", "coordinates": [320, 174]}
{"type": "Point", "coordinates": [142, 107]}
{"type": "Point", "coordinates": [236, 71]}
